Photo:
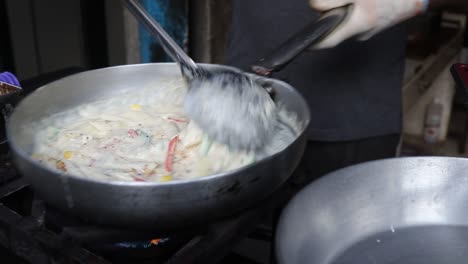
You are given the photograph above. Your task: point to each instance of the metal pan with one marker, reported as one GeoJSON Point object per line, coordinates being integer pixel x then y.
{"type": "Point", "coordinates": [135, 204]}
{"type": "Point", "coordinates": [406, 210]}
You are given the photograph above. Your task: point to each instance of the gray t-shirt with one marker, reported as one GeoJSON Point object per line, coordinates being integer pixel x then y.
{"type": "Point", "coordinates": [353, 90]}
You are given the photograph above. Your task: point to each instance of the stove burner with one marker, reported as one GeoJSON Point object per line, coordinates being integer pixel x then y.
{"type": "Point", "coordinates": [146, 244]}
{"type": "Point", "coordinates": [40, 234]}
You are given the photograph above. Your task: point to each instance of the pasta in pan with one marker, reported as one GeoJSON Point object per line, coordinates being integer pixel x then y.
{"type": "Point", "coordinates": [136, 137]}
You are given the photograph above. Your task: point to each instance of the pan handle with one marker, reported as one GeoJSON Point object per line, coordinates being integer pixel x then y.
{"type": "Point", "coordinates": [308, 36]}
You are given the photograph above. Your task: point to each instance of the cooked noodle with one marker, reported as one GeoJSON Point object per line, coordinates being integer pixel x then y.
{"type": "Point", "coordinates": [136, 137]}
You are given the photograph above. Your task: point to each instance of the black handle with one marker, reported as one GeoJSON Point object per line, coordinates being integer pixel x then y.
{"type": "Point", "coordinates": [460, 75]}
{"type": "Point", "coordinates": [310, 35]}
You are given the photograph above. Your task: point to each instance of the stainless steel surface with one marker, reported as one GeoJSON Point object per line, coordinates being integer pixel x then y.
{"type": "Point", "coordinates": [135, 204]}
{"type": "Point", "coordinates": [407, 210]}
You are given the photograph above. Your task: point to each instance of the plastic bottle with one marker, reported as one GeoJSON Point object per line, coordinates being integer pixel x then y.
{"type": "Point", "coordinates": [433, 121]}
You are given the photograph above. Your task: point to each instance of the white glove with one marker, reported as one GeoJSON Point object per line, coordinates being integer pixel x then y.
{"type": "Point", "coordinates": [368, 17]}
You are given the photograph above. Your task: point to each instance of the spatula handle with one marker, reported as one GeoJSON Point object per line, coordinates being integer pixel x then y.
{"type": "Point", "coordinates": [308, 36]}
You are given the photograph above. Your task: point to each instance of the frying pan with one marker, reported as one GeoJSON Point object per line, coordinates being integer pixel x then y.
{"type": "Point", "coordinates": [403, 210]}
{"type": "Point", "coordinates": [160, 205]}
{"type": "Point", "coordinates": [136, 204]}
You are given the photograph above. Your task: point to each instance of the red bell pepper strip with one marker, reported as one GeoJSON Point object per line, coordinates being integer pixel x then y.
{"type": "Point", "coordinates": [138, 179]}
{"type": "Point", "coordinates": [177, 120]}
{"type": "Point", "coordinates": [132, 133]}
{"type": "Point", "coordinates": [170, 153]}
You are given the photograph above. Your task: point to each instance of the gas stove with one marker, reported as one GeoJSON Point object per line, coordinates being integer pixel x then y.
{"type": "Point", "coordinates": [33, 232]}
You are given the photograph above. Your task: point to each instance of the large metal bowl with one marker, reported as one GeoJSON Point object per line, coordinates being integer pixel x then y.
{"type": "Point", "coordinates": [402, 210]}
{"type": "Point", "coordinates": [136, 204]}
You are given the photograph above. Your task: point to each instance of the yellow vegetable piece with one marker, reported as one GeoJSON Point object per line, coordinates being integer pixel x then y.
{"type": "Point", "coordinates": [135, 107]}
{"type": "Point", "coordinates": [67, 155]}
{"type": "Point", "coordinates": [148, 172]}
{"type": "Point", "coordinates": [166, 178]}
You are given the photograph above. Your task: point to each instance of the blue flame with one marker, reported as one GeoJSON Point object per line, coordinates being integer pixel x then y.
{"type": "Point", "coordinates": [141, 244]}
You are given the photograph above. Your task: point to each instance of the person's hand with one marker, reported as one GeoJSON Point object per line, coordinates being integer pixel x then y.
{"type": "Point", "coordinates": [368, 17]}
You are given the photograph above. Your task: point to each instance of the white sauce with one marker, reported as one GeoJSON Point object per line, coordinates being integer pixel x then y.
{"type": "Point", "coordinates": [136, 137]}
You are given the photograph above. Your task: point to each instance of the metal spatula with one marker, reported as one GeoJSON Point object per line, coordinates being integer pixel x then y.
{"type": "Point", "coordinates": [229, 106]}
